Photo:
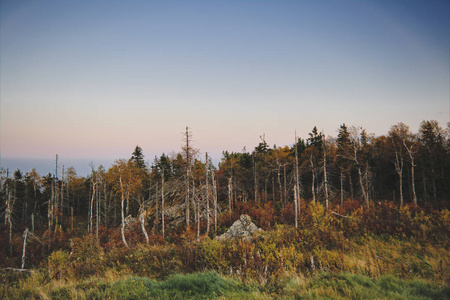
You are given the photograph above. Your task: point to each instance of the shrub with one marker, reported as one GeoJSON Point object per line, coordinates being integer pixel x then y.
{"type": "Point", "coordinates": [212, 253]}
{"type": "Point", "coordinates": [87, 257]}
{"type": "Point", "coordinates": [153, 261]}
{"type": "Point", "coordinates": [59, 265]}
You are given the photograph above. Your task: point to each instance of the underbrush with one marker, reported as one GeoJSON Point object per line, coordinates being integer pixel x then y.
{"type": "Point", "coordinates": [209, 285]}
{"type": "Point", "coordinates": [352, 286]}
{"type": "Point", "coordinates": [330, 255]}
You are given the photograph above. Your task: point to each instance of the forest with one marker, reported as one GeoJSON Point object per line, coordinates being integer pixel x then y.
{"type": "Point", "coordinates": [355, 215]}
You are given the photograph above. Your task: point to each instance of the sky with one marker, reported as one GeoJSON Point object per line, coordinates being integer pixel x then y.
{"type": "Point", "coordinates": [91, 79]}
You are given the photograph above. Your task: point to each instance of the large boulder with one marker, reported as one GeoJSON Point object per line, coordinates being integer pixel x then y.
{"type": "Point", "coordinates": [242, 228]}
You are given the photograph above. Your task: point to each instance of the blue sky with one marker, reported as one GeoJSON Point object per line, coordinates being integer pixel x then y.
{"type": "Point", "coordinates": [91, 79]}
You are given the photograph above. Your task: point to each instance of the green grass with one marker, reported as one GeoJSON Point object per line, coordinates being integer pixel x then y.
{"type": "Point", "coordinates": [191, 286]}
{"type": "Point", "coordinates": [350, 286]}
{"type": "Point", "coordinates": [209, 285]}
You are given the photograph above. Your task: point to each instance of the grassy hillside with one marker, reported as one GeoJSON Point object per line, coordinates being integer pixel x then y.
{"type": "Point", "coordinates": [210, 285]}
{"type": "Point", "coordinates": [383, 253]}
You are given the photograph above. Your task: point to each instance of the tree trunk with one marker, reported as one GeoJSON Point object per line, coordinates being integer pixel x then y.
{"type": "Point", "coordinates": [207, 194]}
{"type": "Point", "coordinates": [280, 189]}
{"type": "Point", "coordinates": [142, 221]}
{"type": "Point", "coordinates": [162, 203]}
{"type": "Point", "coordinates": [295, 206]}
{"type": "Point", "coordinates": [97, 217]}
{"type": "Point", "coordinates": [284, 182]}
{"type": "Point", "coordinates": [413, 181]}
{"type": "Point", "coordinates": [91, 207]}
{"type": "Point", "coordinates": [155, 224]}
{"type": "Point", "coordinates": [350, 180]}
{"type": "Point", "coordinates": [230, 194]}
{"type": "Point", "coordinates": [297, 203]}
{"type": "Point", "coordinates": [198, 218]}
{"type": "Point", "coordinates": [122, 228]}
{"type": "Point", "coordinates": [424, 180]}
{"type": "Point", "coordinates": [433, 182]}
{"type": "Point", "coordinates": [25, 235]}
{"type": "Point", "coordinates": [62, 194]}
{"type": "Point", "coordinates": [399, 170]}
{"type": "Point", "coordinates": [215, 201]}
{"type": "Point", "coordinates": [8, 213]}
{"type": "Point", "coordinates": [187, 179]}
{"type": "Point", "coordinates": [342, 191]}
{"type": "Point", "coordinates": [255, 179]}
{"type": "Point", "coordinates": [325, 177]}
{"type": "Point", "coordinates": [363, 189]}
{"type": "Point", "coordinates": [313, 180]}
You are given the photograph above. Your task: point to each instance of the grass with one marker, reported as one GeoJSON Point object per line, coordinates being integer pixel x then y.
{"type": "Point", "coordinates": [365, 266]}
{"type": "Point", "coordinates": [351, 286]}
{"type": "Point", "coordinates": [209, 285]}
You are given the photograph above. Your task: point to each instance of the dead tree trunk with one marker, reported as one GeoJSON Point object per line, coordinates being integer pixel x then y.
{"type": "Point", "coordinates": [25, 235]}
{"type": "Point", "coordinates": [363, 189]}
{"type": "Point", "coordinates": [156, 222]}
{"type": "Point", "coordinates": [97, 213]}
{"type": "Point", "coordinates": [91, 206]}
{"type": "Point", "coordinates": [62, 193]}
{"type": "Point", "coordinates": [350, 180]}
{"type": "Point", "coordinates": [8, 213]}
{"type": "Point", "coordinates": [255, 179]}
{"type": "Point", "coordinates": [142, 214]}
{"type": "Point", "coordinates": [188, 167]}
{"type": "Point", "coordinates": [325, 176]}
{"type": "Point", "coordinates": [230, 194]}
{"type": "Point", "coordinates": [313, 183]}
{"type": "Point", "coordinates": [399, 170]}
{"type": "Point", "coordinates": [284, 184]}
{"type": "Point", "coordinates": [122, 228]}
{"type": "Point", "coordinates": [297, 204]}
{"type": "Point", "coordinates": [215, 201]}
{"type": "Point", "coordinates": [411, 153]}
{"type": "Point", "coordinates": [342, 190]}
{"type": "Point", "coordinates": [162, 203]}
{"type": "Point", "coordinates": [207, 193]}
{"type": "Point", "coordinates": [280, 189]}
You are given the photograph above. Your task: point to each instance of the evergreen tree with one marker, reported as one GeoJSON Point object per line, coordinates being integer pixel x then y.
{"type": "Point", "coordinates": [138, 157]}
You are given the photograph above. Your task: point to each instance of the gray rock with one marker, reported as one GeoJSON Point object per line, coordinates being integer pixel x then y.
{"type": "Point", "coordinates": [242, 228]}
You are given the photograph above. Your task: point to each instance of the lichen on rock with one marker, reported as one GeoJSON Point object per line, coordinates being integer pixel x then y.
{"type": "Point", "coordinates": [242, 228]}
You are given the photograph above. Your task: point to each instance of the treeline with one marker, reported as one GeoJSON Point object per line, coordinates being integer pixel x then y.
{"type": "Point", "coordinates": [184, 190]}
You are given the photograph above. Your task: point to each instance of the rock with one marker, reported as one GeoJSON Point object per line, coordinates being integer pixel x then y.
{"type": "Point", "coordinates": [242, 228]}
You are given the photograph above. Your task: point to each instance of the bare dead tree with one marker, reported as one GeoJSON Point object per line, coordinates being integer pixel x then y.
{"type": "Point", "coordinates": [25, 235]}
{"type": "Point", "coordinates": [399, 169]}
{"type": "Point", "coordinates": [297, 185]}
{"type": "Point", "coordinates": [313, 181]}
{"type": "Point", "coordinates": [411, 153]}
{"type": "Point", "coordinates": [122, 228]}
{"type": "Point", "coordinates": [188, 176]}
{"type": "Point", "coordinates": [142, 215]}
{"type": "Point", "coordinates": [56, 194]}
{"type": "Point", "coordinates": [325, 173]}
{"type": "Point", "coordinates": [162, 202]}
{"type": "Point", "coordinates": [230, 193]}
{"type": "Point", "coordinates": [353, 155]}
{"type": "Point", "coordinates": [215, 200]}
{"type": "Point", "coordinates": [10, 200]}
{"type": "Point", "coordinates": [62, 193]}
{"type": "Point", "coordinates": [91, 206]}
{"type": "Point", "coordinates": [255, 178]}
{"type": "Point", "coordinates": [207, 193]}
{"type": "Point", "coordinates": [342, 188]}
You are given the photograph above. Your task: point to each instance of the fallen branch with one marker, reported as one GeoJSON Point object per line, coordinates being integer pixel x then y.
{"type": "Point", "coordinates": [335, 213]}
{"type": "Point", "coordinates": [20, 270]}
